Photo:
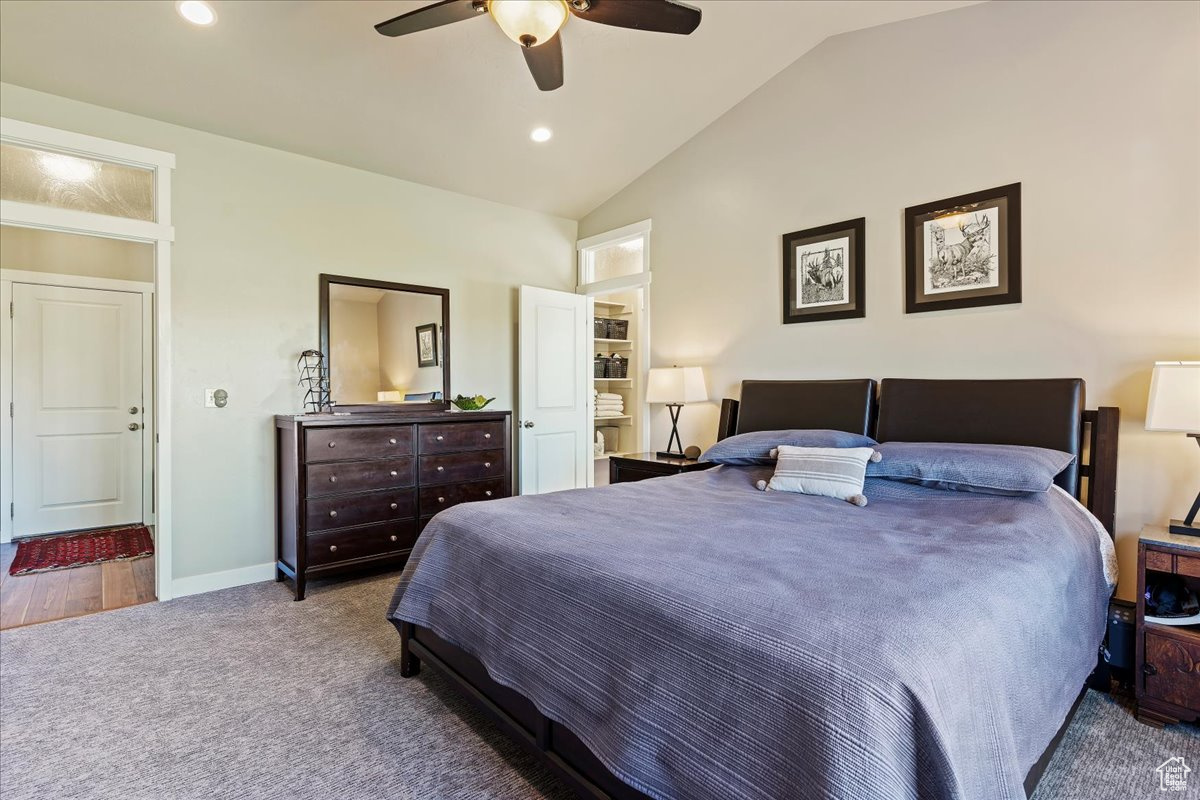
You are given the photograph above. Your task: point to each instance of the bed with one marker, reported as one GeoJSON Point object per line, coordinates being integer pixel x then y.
{"type": "Point", "coordinates": [726, 643]}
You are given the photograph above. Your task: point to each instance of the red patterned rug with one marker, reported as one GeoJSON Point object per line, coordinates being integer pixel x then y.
{"type": "Point", "coordinates": [78, 549]}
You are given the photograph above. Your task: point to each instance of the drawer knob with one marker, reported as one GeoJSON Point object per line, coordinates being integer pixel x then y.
{"type": "Point", "coordinates": [394, 506]}
{"type": "Point", "coordinates": [333, 513]}
{"type": "Point", "coordinates": [441, 499]}
{"type": "Point", "coordinates": [440, 437]}
{"type": "Point", "coordinates": [333, 478]}
{"type": "Point", "coordinates": [333, 548]}
{"type": "Point", "coordinates": [391, 441]}
{"type": "Point", "coordinates": [333, 444]}
{"type": "Point", "coordinates": [394, 473]}
{"type": "Point", "coordinates": [395, 537]}
{"type": "Point", "coordinates": [488, 493]}
{"type": "Point", "coordinates": [487, 436]}
{"type": "Point", "coordinates": [487, 463]}
{"type": "Point", "coordinates": [441, 469]}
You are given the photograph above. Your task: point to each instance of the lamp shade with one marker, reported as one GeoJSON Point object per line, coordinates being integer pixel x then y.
{"type": "Point", "coordinates": [1174, 403]}
{"type": "Point", "coordinates": [676, 385]}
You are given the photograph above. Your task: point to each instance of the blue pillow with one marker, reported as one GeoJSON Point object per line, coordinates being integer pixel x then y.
{"type": "Point", "coordinates": [754, 449]}
{"type": "Point", "coordinates": [1002, 469]}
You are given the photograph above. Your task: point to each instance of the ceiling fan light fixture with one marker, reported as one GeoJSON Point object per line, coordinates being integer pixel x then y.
{"type": "Point", "coordinates": [541, 134]}
{"type": "Point", "coordinates": [529, 22]}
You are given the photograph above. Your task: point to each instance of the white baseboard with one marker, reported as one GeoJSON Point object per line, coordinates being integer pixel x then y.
{"type": "Point", "coordinates": [212, 581]}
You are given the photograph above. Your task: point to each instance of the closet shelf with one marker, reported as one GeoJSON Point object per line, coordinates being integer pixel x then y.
{"type": "Point", "coordinates": [614, 341]}
{"type": "Point", "coordinates": [605, 420]}
{"type": "Point", "coordinates": [610, 306]}
{"type": "Point", "coordinates": [614, 380]}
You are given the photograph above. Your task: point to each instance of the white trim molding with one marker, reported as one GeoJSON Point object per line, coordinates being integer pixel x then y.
{"type": "Point", "coordinates": [626, 233]}
{"type": "Point", "coordinates": [214, 581]}
{"type": "Point", "coordinates": [161, 233]}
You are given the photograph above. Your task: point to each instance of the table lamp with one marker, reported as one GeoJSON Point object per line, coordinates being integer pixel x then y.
{"type": "Point", "coordinates": [675, 386]}
{"type": "Point", "coordinates": [1174, 405]}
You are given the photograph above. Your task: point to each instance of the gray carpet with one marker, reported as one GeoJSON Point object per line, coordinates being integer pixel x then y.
{"type": "Point", "coordinates": [245, 694]}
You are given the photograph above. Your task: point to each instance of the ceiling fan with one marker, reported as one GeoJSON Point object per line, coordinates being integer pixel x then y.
{"type": "Point", "coordinates": [535, 24]}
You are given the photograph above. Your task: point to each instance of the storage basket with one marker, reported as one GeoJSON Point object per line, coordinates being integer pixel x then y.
{"type": "Point", "coordinates": [618, 367]}
{"type": "Point", "coordinates": [618, 329]}
{"type": "Point", "coordinates": [600, 327]}
{"type": "Point", "coordinates": [600, 367]}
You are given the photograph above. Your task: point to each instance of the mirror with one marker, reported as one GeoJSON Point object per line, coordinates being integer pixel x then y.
{"type": "Point", "coordinates": [386, 344]}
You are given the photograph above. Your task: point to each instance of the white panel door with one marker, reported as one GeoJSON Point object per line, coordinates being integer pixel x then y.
{"type": "Point", "coordinates": [77, 408]}
{"type": "Point", "coordinates": [554, 359]}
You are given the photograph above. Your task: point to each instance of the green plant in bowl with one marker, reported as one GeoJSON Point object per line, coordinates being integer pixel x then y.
{"type": "Point", "coordinates": [471, 403]}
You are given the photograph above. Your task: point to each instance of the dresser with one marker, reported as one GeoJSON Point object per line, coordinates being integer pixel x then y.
{"type": "Point", "coordinates": [356, 490]}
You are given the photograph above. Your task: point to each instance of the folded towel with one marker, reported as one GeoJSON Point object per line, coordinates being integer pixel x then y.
{"type": "Point", "coordinates": [607, 413]}
{"type": "Point", "coordinates": [609, 396]}
{"type": "Point", "coordinates": [609, 407]}
{"type": "Point", "coordinates": [602, 402]}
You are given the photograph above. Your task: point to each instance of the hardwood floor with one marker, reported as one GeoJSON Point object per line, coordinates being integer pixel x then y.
{"type": "Point", "coordinates": [46, 596]}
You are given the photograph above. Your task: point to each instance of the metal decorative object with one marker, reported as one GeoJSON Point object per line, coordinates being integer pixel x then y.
{"type": "Point", "coordinates": [314, 376]}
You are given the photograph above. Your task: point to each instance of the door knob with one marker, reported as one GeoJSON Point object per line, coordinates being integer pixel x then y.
{"type": "Point", "coordinates": [133, 409]}
{"type": "Point", "coordinates": [133, 426]}
{"type": "Point", "coordinates": [528, 423]}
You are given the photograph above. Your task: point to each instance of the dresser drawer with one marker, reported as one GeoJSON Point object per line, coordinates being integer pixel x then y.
{"type": "Point", "coordinates": [1160, 561]}
{"type": "Point", "coordinates": [358, 509]}
{"type": "Point", "coordinates": [369, 540]}
{"type": "Point", "coordinates": [455, 467]}
{"type": "Point", "coordinates": [454, 436]}
{"type": "Point", "coordinates": [358, 441]}
{"type": "Point", "coordinates": [438, 498]}
{"type": "Point", "coordinates": [1172, 670]}
{"type": "Point", "coordinates": [360, 476]}
{"type": "Point", "coordinates": [1187, 565]}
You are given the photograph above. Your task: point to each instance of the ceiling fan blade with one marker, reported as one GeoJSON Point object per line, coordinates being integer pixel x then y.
{"type": "Point", "coordinates": [433, 16]}
{"type": "Point", "coordinates": [546, 63]}
{"type": "Point", "coordinates": [663, 16]}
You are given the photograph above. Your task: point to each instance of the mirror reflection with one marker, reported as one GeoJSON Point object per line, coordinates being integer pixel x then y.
{"type": "Point", "coordinates": [385, 345]}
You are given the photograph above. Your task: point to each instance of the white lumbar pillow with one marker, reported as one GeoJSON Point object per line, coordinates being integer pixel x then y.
{"type": "Point", "coordinates": [824, 471]}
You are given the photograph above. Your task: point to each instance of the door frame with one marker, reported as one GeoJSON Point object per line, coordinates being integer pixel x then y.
{"type": "Point", "coordinates": [161, 234]}
{"type": "Point", "coordinates": [8, 277]}
{"type": "Point", "coordinates": [638, 280]}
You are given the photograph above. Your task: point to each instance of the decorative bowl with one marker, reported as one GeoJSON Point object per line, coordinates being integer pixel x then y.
{"type": "Point", "coordinates": [471, 403]}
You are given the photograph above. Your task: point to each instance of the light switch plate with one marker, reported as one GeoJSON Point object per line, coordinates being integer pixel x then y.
{"type": "Point", "coordinates": [209, 400]}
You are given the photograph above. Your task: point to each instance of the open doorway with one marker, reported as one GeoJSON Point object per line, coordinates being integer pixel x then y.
{"type": "Point", "coordinates": [84, 278]}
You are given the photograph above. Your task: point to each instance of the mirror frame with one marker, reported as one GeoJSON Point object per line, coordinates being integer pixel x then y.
{"type": "Point", "coordinates": [391, 408]}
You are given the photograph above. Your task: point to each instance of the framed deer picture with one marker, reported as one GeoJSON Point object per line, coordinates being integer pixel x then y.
{"type": "Point", "coordinates": [823, 273]}
{"type": "Point", "coordinates": [964, 251]}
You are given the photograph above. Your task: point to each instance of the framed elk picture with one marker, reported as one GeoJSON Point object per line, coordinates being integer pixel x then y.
{"type": "Point", "coordinates": [823, 272]}
{"type": "Point", "coordinates": [964, 251]}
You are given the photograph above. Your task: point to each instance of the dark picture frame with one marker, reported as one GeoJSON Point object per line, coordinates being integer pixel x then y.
{"type": "Point", "coordinates": [824, 272]}
{"type": "Point", "coordinates": [432, 359]}
{"type": "Point", "coordinates": [964, 251]}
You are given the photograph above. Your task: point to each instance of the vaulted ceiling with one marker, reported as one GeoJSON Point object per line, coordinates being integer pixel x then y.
{"type": "Point", "coordinates": [450, 107]}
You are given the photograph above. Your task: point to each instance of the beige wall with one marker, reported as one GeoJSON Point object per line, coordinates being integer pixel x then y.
{"type": "Point", "coordinates": [254, 227]}
{"type": "Point", "coordinates": [1093, 107]}
{"type": "Point", "coordinates": [399, 315]}
{"type": "Point", "coordinates": [354, 351]}
{"type": "Point", "coordinates": [72, 254]}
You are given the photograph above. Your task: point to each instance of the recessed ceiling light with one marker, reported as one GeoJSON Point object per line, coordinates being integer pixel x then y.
{"type": "Point", "coordinates": [540, 135]}
{"type": "Point", "coordinates": [196, 12]}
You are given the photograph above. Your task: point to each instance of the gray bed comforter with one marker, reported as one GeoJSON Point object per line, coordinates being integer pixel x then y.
{"type": "Point", "coordinates": [708, 640]}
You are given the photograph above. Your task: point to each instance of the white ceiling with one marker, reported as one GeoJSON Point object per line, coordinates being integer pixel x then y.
{"type": "Point", "coordinates": [450, 107]}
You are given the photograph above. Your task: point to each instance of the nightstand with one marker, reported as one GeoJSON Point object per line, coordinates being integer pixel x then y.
{"type": "Point", "coordinates": [1167, 669]}
{"type": "Point", "coordinates": [639, 466]}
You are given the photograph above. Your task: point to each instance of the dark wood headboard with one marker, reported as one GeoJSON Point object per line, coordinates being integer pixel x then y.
{"type": "Point", "coordinates": [1041, 413]}
{"type": "Point", "coordinates": [839, 405]}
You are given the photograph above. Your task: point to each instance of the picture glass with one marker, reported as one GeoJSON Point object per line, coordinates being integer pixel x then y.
{"type": "Point", "coordinates": [962, 251]}
{"type": "Point", "coordinates": [821, 271]}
